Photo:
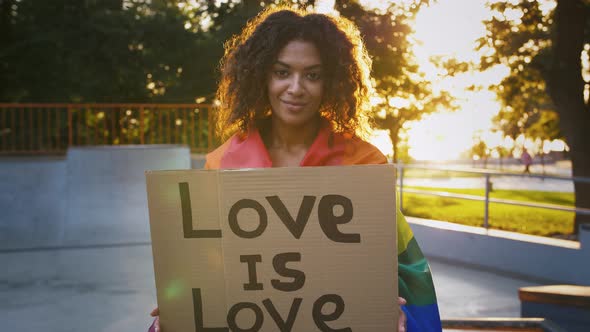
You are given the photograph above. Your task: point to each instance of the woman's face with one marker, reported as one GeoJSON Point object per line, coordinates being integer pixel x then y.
{"type": "Point", "coordinates": [296, 84]}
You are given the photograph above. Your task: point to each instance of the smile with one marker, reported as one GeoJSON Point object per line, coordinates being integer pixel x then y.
{"type": "Point", "coordinates": [293, 104]}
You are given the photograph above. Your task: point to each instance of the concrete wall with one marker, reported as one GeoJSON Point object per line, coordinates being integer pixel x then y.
{"type": "Point", "coordinates": [32, 201]}
{"type": "Point", "coordinates": [93, 196]}
{"type": "Point", "coordinates": [197, 161]}
{"type": "Point", "coordinates": [539, 258]}
{"type": "Point", "coordinates": [106, 191]}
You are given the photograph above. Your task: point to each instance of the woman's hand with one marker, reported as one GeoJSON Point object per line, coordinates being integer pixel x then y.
{"type": "Point", "coordinates": [401, 322]}
{"type": "Point", "coordinates": [156, 324]}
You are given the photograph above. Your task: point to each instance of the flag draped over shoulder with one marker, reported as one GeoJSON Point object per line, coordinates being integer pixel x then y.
{"type": "Point", "coordinates": [332, 149]}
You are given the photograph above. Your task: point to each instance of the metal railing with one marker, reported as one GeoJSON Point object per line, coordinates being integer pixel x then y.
{"type": "Point", "coordinates": [486, 199]}
{"type": "Point", "coordinates": [33, 129]}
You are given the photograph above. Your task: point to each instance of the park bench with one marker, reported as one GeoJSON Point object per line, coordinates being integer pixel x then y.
{"type": "Point", "coordinates": [568, 306]}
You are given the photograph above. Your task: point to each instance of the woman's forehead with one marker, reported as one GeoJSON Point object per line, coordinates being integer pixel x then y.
{"type": "Point", "coordinates": [299, 53]}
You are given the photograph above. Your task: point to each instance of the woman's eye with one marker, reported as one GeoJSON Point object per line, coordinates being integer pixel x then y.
{"type": "Point", "coordinates": [281, 73]}
{"type": "Point", "coordinates": [313, 76]}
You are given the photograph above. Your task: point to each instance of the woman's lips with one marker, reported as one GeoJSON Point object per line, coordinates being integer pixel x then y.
{"type": "Point", "coordinates": [293, 106]}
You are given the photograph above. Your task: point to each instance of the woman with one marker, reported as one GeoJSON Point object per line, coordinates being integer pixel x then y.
{"type": "Point", "coordinates": [294, 90]}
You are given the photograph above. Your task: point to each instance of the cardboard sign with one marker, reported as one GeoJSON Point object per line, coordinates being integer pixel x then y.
{"type": "Point", "coordinates": [277, 249]}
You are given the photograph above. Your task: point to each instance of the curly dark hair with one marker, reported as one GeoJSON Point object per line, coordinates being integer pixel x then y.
{"type": "Point", "coordinates": [249, 56]}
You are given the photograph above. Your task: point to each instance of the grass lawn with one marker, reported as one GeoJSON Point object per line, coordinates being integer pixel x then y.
{"type": "Point", "coordinates": [501, 216]}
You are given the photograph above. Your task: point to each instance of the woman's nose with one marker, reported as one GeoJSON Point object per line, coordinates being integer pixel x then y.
{"type": "Point", "coordinates": [295, 86]}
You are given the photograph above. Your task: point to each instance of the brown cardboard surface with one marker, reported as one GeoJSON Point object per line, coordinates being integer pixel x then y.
{"type": "Point", "coordinates": [268, 272]}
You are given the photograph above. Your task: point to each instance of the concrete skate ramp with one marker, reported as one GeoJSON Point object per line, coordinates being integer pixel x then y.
{"type": "Point", "coordinates": [32, 201]}
{"type": "Point", "coordinates": [93, 196]}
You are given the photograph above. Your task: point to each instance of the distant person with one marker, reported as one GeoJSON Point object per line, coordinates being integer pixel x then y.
{"type": "Point", "coordinates": [527, 160]}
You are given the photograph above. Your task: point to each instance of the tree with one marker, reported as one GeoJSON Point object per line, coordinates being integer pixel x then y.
{"type": "Point", "coordinates": [7, 14]}
{"type": "Point", "coordinates": [403, 151]}
{"type": "Point", "coordinates": [405, 95]}
{"type": "Point", "coordinates": [169, 51]}
{"type": "Point", "coordinates": [502, 152]}
{"type": "Point", "coordinates": [543, 51]}
{"type": "Point", "coordinates": [481, 151]}
{"type": "Point", "coordinates": [96, 51]}
{"type": "Point", "coordinates": [93, 51]}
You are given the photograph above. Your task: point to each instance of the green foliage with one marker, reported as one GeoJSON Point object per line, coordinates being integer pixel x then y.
{"type": "Point", "coordinates": [480, 150]}
{"type": "Point", "coordinates": [519, 34]}
{"type": "Point", "coordinates": [169, 51]}
{"type": "Point", "coordinates": [94, 51]}
{"type": "Point", "coordinates": [502, 151]}
{"type": "Point", "coordinates": [116, 51]}
{"type": "Point", "coordinates": [544, 51]}
{"type": "Point", "coordinates": [403, 153]}
{"type": "Point", "coordinates": [134, 51]}
{"type": "Point", "coordinates": [451, 65]}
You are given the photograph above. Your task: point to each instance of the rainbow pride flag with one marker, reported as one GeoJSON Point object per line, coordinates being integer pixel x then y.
{"type": "Point", "coordinates": [332, 149]}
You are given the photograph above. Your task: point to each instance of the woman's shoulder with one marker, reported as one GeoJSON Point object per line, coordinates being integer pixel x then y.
{"type": "Point", "coordinates": [213, 158]}
{"type": "Point", "coordinates": [361, 152]}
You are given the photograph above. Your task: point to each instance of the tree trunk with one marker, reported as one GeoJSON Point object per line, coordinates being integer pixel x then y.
{"type": "Point", "coordinates": [580, 154]}
{"type": "Point", "coordinates": [394, 137]}
{"type": "Point", "coordinates": [566, 87]}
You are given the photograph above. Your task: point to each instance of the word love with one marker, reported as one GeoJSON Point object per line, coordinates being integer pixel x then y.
{"type": "Point", "coordinates": [328, 220]}
{"type": "Point", "coordinates": [283, 324]}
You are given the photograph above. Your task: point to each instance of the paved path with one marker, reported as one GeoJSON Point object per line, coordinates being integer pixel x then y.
{"type": "Point", "coordinates": [112, 289]}
{"type": "Point", "coordinates": [468, 292]}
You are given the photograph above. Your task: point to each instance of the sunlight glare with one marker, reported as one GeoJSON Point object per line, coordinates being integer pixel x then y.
{"type": "Point", "coordinates": [446, 135]}
{"type": "Point", "coordinates": [381, 140]}
{"type": "Point", "coordinates": [436, 138]}
{"type": "Point", "coordinates": [443, 29]}
{"type": "Point", "coordinates": [555, 145]}
{"type": "Point", "coordinates": [325, 6]}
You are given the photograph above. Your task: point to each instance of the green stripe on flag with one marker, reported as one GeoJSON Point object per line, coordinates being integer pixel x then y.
{"type": "Point", "coordinates": [415, 279]}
